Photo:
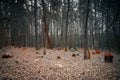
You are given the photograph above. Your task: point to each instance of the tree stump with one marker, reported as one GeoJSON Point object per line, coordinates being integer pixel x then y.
{"type": "Point", "coordinates": [58, 57]}
{"type": "Point", "coordinates": [108, 57]}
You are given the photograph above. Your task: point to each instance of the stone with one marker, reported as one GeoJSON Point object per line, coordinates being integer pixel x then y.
{"type": "Point", "coordinates": [72, 50]}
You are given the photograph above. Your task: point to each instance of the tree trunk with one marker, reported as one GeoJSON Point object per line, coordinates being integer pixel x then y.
{"type": "Point", "coordinates": [36, 26]}
{"type": "Point", "coordinates": [86, 51]}
{"type": "Point", "coordinates": [46, 26]}
{"type": "Point", "coordinates": [66, 34]}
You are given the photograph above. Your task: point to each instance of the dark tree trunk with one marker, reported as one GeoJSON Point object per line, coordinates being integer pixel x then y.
{"type": "Point", "coordinates": [46, 26]}
{"type": "Point", "coordinates": [86, 51]}
{"type": "Point", "coordinates": [36, 27]}
{"type": "Point", "coordinates": [66, 34]}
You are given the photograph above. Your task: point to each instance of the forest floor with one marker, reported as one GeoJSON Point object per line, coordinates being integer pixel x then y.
{"type": "Point", "coordinates": [30, 64]}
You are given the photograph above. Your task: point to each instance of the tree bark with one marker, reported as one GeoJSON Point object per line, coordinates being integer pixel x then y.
{"type": "Point", "coordinates": [66, 34]}
{"type": "Point", "coordinates": [86, 51]}
{"type": "Point", "coordinates": [36, 26]}
{"type": "Point", "coordinates": [46, 26]}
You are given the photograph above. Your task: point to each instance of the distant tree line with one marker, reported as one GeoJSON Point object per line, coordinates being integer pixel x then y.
{"type": "Point", "coordinates": [24, 23]}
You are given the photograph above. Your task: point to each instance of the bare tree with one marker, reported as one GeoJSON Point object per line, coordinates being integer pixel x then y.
{"type": "Point", "coordinates": [66, 34]}
{"type": "Point", "coordinates": [47, 41]}
{"type": "Point", "coordinates": [86, 51]}
{"type": "Point", "coordinates": [36, 26]}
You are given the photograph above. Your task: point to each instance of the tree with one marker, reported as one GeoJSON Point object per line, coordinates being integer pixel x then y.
{"type": "Point", "coordinates": [36, 26]}
{"type": "Point", "coordinates": [47, 41]}
{"type": "Point", "coordinates": [86, 51]}
{"type": "Point", "coordinates": [66, 33]}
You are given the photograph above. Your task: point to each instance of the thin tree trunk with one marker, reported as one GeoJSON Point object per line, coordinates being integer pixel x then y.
{"type": "Point", "coordinates": [46, 29]}
{"type": "Point", "coordinates": [95, 28]}
{"type": "Point", "coordinates": [86, 51]}
{"type": "Point", "coordinates": [68, 7]}
{"type": "Point", "coordinates": [36, 26]}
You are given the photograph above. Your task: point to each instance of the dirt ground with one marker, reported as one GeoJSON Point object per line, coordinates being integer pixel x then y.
{"type": "Point", "coordinates": [30, 64]}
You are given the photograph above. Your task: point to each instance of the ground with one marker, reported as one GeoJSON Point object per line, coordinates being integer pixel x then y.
{"type": "Point", "coordinates": [30, 64]}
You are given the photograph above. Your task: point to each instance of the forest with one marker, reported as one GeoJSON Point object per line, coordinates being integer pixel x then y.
{"type": "Point", "coordinates": [67, 27]}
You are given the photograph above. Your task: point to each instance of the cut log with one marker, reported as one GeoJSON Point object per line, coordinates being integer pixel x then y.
{"type": "Point", "coordinates": [108, 57]}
